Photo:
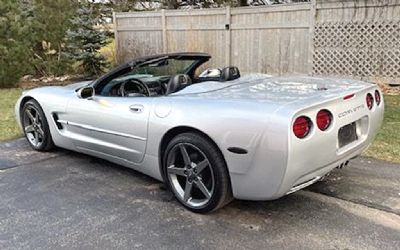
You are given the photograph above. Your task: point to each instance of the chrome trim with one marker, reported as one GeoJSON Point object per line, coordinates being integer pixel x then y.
{"type": "Point", "coordinates": [303, 185]}
{"type": "Point", "coordinates": [105, 131]}
{"type": "Point", "coordinates": [62, 121]}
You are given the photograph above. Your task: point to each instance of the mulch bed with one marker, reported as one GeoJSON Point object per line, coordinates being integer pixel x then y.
{"type": "Point", "coordinates": [29, 82]}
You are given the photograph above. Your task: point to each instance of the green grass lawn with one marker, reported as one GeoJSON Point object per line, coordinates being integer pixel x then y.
{"type": "Point", "coordinates": [385, 147]}
{"type": "Point", "coordinates": [8, 126]}
{"type": "Point", "coordinates": [387, 143]}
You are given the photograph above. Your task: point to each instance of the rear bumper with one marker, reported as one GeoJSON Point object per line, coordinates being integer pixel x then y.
{"type": "Point", "coordinates": [310, 178]}
{"type": "Point", "coordinates": [277, 170]}
{"type": "Point", "coordinates": [322, 151]}
{"type": "Point", "coordinates": [261, 185]}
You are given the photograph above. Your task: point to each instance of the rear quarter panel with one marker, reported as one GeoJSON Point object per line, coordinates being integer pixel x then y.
{"type": "Point", "coordinates": [230, 124]}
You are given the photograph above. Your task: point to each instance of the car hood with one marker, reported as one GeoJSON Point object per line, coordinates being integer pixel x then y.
{"type": "Point", "coordinates": [278, 90]}
{"type": "Point", "coordinates": [77, 85]}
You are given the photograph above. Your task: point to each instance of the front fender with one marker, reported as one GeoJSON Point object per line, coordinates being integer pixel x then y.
{"type": "Point", "coordinates": [52, 100]}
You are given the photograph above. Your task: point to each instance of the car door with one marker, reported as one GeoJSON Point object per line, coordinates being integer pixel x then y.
{"type": "Point", "coordinates": [110, 125]}
{"type": "Point", "coordinates": [113, 127]}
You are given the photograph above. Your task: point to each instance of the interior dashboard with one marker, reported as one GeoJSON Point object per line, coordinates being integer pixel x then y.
{"type": "Point", "coordinates": [140, 86]}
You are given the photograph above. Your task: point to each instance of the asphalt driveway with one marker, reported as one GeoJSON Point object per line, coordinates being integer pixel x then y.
{"type": "Point", "coordinates": [66, 200]}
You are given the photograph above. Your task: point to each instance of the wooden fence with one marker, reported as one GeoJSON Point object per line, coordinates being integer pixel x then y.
{"type": "Point", "coordinates": [358, 38]}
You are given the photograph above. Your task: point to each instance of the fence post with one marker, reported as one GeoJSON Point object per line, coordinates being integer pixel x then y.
{"type": "Point", "coordinates": [228, 36]}
{"type": "Point", "coordinates": [116, 37]}
{"type": "Point", "coordinates": [164, 32]}
{"type": "Point", "coordinates": [313, 17]}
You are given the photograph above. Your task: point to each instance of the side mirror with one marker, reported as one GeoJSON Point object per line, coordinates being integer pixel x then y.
{"type": "Point", "coordinates": [86, 93]}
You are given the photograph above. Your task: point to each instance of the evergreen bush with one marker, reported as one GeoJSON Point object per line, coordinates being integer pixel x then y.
{"type": "Point", "coordinates": [85, 39]}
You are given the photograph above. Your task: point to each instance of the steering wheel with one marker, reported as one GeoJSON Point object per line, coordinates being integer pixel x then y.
{"type": "Point", "coordinates": [134, 86]}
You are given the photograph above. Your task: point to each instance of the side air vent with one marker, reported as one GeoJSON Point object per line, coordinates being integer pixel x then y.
{"type": "Point", "coordinates": [58, 124]}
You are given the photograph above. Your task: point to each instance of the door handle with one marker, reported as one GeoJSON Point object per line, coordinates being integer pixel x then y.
{"type": "Point", "coordinates": [137, 108]}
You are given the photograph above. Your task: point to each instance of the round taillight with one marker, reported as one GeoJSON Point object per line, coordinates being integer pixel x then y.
{"type": "Point", "coordinates": [302, 126]}
{"type": "Point", "coordinates": [324, 119]}
{"type": "Point", "coordinates": [377, 97]}
{"type": "Point", "coordinates": [370, 101]}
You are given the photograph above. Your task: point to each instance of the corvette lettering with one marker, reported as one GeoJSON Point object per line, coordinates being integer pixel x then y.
{"type": "Point", "coordinates": [350, 111]}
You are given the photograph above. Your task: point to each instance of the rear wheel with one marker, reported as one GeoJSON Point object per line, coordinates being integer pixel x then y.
{"type": "Point", "coordinates": [196, 173]}
{"type": "Point", "coordinates": [35, 126]}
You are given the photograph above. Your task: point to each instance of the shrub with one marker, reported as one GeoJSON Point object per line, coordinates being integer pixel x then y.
{"type": "Point", "coordinates": [50, 21]}
{"type": "Point", "coordinates": [84, 40]}
{"type": "Point", "coordinates": [14, 43]}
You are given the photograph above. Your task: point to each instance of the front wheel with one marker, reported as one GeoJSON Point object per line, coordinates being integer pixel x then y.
{"type": "Point", "coordinates": [196, 172]}
{"type": "Point", "coordinates": [35, 126]}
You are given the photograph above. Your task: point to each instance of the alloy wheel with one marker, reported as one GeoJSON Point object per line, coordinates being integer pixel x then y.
{"type": "Point", "coordinates": [33, 126]}
{"type": "Point", "coordinates": [190, 175]}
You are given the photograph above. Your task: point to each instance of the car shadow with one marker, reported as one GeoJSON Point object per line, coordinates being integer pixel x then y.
{"type": "Point", "coordinates": [288, 204]}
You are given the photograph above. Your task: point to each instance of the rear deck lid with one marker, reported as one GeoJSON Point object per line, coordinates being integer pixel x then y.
{"type": "Point", "coordinates": [277, 90]}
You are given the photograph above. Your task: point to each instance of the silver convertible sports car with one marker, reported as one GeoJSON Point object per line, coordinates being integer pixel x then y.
{"type": "Point", "coordinates": [212, 136]}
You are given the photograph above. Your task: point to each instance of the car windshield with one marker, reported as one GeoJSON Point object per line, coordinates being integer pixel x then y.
{"type": "Point", "coordinates": [158, 68]}
{"type": "Point", "coordinates": [150, 71]}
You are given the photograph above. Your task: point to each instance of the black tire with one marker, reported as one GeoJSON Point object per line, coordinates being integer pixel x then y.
{"type": "Point", "coordinates": [221, 188]}
{"type": "Point", "coordinates": [46, 142]}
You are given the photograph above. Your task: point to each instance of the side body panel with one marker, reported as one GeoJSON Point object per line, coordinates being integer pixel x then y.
{"type": "Point", "coordinates": [108, 126]}
{"type": "Point", "coordinates": [54, 100]}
